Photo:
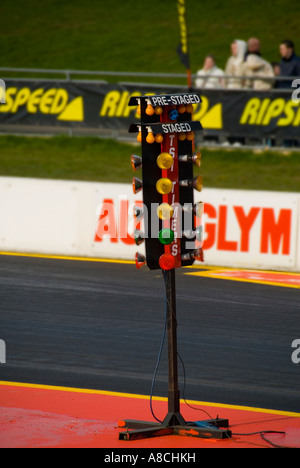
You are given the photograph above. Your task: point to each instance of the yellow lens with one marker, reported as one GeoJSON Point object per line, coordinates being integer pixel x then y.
{"type": "Point", "coordinates": [165, 161]}
{"type": "Point", "coordinates": [197, 159]}
{"type": "Point", "coordinates": [165, 211]}
{"type": "Point", "coordinates": [164, 186]}
{"type": "Point", "coordinates": [198, 183]}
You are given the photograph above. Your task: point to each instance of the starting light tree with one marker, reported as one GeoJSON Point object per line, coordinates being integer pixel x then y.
{"type": "Point", "coordinates": [166, 132]}
{"type": "Point", "coordinates": [173, 238]}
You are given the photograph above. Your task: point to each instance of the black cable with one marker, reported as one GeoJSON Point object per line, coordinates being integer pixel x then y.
{"type": "Point", "coordinates": [261, 433]}
{"type": "Point", "coordinates": [183, 391]}
{"type": "Point", "coordinates": [158, 362]}
{"type": "Point", "coordinates": [159, 358]}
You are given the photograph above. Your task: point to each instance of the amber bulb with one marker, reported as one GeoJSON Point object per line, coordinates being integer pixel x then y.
{"type": "Point", "coordinates": [159, 138]}
{"type": "Point", "coordinates": [150, 138]}
{"type": "Point", "coordinates": [190, 136]}
{"type": "Point", "coordinates": [149, 110]}
{"type": "Point", "coordinates": [158, 110]}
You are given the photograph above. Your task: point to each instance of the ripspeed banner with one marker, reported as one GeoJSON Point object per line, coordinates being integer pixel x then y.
{"type": "Point", "coordinates": [233, 113]}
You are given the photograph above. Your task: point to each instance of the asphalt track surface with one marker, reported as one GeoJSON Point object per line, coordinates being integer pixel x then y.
{"type": "Point", "coordinates": [99, 325]}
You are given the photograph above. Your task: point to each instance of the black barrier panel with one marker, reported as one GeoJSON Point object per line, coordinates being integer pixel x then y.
{"type": "Point", "coordinates": [228, 113]}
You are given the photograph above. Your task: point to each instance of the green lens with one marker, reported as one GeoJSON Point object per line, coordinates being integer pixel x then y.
{"type": "Point", "coordinates": [166, 236]}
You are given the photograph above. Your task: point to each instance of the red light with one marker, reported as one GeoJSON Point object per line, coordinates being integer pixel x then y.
{"type": "Point", "coordinates": [198, 255]}
{"type": "Point", "coordinates": [166, 262]}
{"type": "Point", "coordinates": [140, 260]}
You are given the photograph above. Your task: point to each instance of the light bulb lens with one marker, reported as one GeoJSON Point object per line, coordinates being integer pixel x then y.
{"type": "Point", "coordinates": [198, 209]}
{"type": "Point", "coordinates": [164, 186]}
{"type": "Point", "coordinates": [165, 211]}
{"type": "Point", "coordinates": [139, 237]}
{"type": "Point", "coordinates": [138, 212]}
{"type": "Point", "coordinates": [198, 255]}
{"type": "Point", "coordinates": [159, 138]}
{"type": "Point", "coordinates": [173, 114]}
{"type": "Point", "coordinates": [198, 183]}
{"type": "Point", "coordinates": [136, 162]}
{"type": "Point", "coordinates": [149, 110]}
{"type": "Point", "coordinates": [166, 262]}
{"type": "Point", "coordinates": [166, 236]}
{"type": "Point", "coordinates": [140, 260]}
{"type": "Point", "coordinates": [158, 110]}
{"type": "Point", "coordinates": [137, 185]}
{"type": "Point", "coordinates": [150, 138]}
{"type": "Point", "coordinates": [165, 161]}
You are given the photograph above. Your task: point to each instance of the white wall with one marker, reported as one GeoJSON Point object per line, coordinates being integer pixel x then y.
{"type": "Point", "coordinates": [249, 229]}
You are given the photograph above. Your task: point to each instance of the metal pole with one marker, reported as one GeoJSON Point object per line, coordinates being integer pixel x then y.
{"type": "Point", "coordinates": [174, 417]}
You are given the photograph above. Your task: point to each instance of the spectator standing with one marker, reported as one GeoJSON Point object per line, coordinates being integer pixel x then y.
{"type": "Point", "coordinates": [234, 65]}
{"type": "Point", "coordinates": [256, 66]}
{"type": "Point", "coordinates": [290, 63]}
{"type": "Point", "coordinates": [210, 76]}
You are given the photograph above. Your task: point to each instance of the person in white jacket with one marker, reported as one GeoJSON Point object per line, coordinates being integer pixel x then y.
{"type": "Point", "coordinates": [210, 76]}
{"type": "Point", "coordinates": [234, 65]}
{"type": "Point", "coordinates": [257, 67]}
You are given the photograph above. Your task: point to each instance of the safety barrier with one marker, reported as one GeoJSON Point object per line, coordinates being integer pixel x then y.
{"type": "Point", "coordinates": [249, 229]}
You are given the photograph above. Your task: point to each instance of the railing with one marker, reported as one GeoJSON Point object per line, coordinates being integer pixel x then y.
{"type": "Point", "coordinates": [69, 75]}
{"type": "Point", "coordinates": [118, 128]}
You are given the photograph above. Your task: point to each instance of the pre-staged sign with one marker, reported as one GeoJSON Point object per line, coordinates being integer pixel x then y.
{"type": "Point", "coordinates": [229, 112]}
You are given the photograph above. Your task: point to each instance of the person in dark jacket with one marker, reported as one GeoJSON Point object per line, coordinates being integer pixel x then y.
{"type": "Point", "coordinates": [289, 65]}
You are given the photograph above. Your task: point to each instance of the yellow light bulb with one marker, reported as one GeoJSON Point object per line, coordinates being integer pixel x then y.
{"type": "Point", "coordinates": [190, 136]}
{"type": "Point", "coordinates": [150, 138]}
{"type": "Point", "coordinates": [139, 137]}
{"type": "Point", "coordinates": [165, 211]}
{"type": "Point", "coordinates": [164, 186]}
{"type": "Point", "coordinates": [165, 161]}
{"type": "Point", "coordinates": [181, 136]}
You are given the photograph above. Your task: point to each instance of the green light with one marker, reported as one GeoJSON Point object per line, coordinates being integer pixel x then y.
{"type": "Point", "coordinates": [166, 236]}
